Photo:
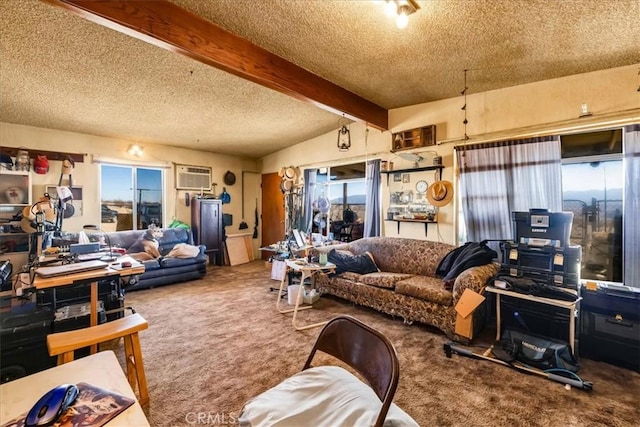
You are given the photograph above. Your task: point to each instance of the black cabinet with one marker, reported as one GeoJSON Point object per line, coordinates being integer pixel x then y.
{"type": "Point", "coordinates": [206, 225]}
{"type": "Point", "coordinates": [610, 324]}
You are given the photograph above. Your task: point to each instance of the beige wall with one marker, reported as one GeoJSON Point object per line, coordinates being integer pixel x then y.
{"type": "Point", "coordinates": [87, 174]}
{"type": "Point", "coordinates": [551, 106]}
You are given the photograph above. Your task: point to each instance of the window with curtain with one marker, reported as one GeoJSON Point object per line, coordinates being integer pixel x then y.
{"type": "Point", "coordinates": [346, 188]}
{"type": "Point", "coordinates": [595, 175]}
{"type": "Point", "coordinates": [496, 179]}
{"type": "Point", "coordinates": [347, 192]}
{"type": "Point", "coordinates": [592, 188]}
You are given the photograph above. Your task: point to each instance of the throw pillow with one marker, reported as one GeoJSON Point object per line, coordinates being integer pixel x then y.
{"type": "Point", "coordinates": [183, 250]}
{"type": "Point", "coordinates": [361, 264]}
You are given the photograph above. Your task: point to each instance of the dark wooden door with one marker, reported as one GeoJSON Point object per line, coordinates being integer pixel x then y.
{"type": "Point", "coordinates": [272, 211]}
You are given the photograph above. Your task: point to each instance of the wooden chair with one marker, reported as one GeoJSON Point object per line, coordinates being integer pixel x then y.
{"type": "Point", "coordinates": [367, 352]}
{"type": "Point", "coordinates": [63, 345]}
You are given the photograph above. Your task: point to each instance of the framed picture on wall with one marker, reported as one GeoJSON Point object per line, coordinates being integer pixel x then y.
{"type": "Point", "coordinates": [397, 177]}
{"type": "Point", "coordinates": [406, 178]}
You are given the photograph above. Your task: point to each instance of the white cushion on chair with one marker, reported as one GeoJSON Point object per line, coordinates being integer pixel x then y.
{"type": "Point", "coordinates": [323, 396]}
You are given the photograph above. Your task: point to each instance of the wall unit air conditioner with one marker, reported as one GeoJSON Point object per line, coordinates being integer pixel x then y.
{"type": "Point", "coordinates": [193, 178]}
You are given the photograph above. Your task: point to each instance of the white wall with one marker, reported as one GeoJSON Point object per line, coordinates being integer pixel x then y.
{"type": "Point", "coordinates": [87, 174]}
{"type": "Point", "coordinates": [551, 106]}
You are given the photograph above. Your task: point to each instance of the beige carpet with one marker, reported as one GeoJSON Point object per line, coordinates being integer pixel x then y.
{"type": "Point", "coordinates": [214, 343]}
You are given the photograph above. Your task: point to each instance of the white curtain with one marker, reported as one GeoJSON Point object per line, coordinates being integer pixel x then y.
{"type": "Point", "coordinates": [373, 203]}
{"type": "Point", "coordinates": [631, 227]}
{"type": "Point", "coordinates": [309, 195]}
{"type": "Point", "coordinates": [502, 177]}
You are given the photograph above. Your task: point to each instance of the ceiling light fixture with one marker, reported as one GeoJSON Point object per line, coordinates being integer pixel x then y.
{"type": "Point", "coordinates": [400, 9]}
{"type": "Point", "coordinates": [135, 150]}
{"type": "Point", "coordinates": [344, 136]}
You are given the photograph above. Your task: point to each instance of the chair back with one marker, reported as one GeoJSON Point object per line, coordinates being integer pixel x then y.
{"type": "Point", "coordinates": [366, 351]}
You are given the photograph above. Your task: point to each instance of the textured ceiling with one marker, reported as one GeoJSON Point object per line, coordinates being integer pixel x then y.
{"type": "Point", "coordinates": [60, 71]}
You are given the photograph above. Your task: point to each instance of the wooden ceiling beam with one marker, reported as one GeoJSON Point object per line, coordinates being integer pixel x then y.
{"type": "Point", "coordinates": [171, 27]}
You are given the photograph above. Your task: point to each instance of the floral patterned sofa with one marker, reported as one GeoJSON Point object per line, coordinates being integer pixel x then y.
{"type": "Point", "coordinates": [406, 285]}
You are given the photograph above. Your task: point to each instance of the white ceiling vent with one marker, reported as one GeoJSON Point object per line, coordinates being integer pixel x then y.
{"type": "Point", "coordinates": [193, 178]}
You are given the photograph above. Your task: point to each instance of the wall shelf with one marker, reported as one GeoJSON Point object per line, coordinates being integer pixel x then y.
{"type": "Point", "coordinates": [419, 169]}
{"type": "Point", "coordinates": [414, 138]}
{"type": "Point", "coordinates": [51, 155]}
{"type": "Point", "coordinates": [15, 196]}
{"type": "Point", "coordinates": [426, 223]}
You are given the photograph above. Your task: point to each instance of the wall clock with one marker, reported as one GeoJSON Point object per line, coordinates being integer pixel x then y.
{"type": "Point", "coordinates": [422, 186]}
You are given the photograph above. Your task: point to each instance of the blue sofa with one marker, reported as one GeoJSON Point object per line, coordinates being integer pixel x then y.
{"type": "Point", "coordinates": [161, 271]}
{"type": "Point", "coordinates": [164, 271]}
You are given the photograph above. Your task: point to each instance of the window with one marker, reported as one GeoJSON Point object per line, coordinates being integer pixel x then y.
{"type": "Point", "coordinates": [131, 197]}
{"type": "Point", "coordinates": [591, 177]}
{"type": "Point", "coordinates": [345, 187]}
{"type": "Point", "coordinates": [592, 187]}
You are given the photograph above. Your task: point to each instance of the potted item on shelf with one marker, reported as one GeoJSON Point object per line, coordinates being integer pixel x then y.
{"type": "Point", "coordinates": [394, 213]}
{"type": "Point", "coordinates": [401, 197]}
{"type": "Point", "coordinates": [418, 211]}
{"type": "Point", "coordinates": [22, 161]}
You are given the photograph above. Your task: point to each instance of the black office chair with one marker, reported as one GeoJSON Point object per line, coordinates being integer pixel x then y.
{"type": "Point", "coordinates": [306, 398]}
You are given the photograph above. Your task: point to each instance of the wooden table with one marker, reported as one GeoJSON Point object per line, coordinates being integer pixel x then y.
{"type": "Point", "coordinates": [101, 370]}
{"type": "Point", "coordinates": [307, 270]}
{"type": "Point", "coordinates": [93, 276]}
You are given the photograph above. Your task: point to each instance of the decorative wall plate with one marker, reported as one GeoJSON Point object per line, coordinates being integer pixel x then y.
{"type": "Point", "coordinates": [229, 178]}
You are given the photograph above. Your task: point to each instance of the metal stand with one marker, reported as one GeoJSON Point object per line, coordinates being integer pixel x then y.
{"type": "Point", "coordinates": [307, 271]}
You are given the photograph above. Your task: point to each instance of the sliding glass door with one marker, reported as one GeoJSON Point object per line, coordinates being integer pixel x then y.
{"type": "Point", "coordinates": [131, 197]}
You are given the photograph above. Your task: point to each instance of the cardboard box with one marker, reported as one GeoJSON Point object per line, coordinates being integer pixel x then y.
{"type": "Point", "coordinates": [465, 307]}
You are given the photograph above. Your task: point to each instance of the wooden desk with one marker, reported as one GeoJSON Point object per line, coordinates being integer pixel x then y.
{"type": "Point", "coordinates": [92, 277]}
{"type": "Point", "coordinates": [101, 370]}
{"type": "Point", "coordinates": [307, 271]}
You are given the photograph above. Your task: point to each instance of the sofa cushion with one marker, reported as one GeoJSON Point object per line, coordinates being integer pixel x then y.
{"type": "Point", "coordinates": [383, 279]}
{"type": "Point", "coordinates": [402, 255]}
{"type": "Point", "coordinates": [350, 275]}
{"type": "Point", "coordinates": [322, 396]}
{"type": "Point", "coordinates": [175, 262]}
{"type": "Point", "coordinates": [425, 288]}
{"type": "Point", "coordinates": [361, 264]}
{"type": "Point", "coordinates": [172, 236]}
{"type": "Point", "coordinates": [151, 264]}
{"type": "Point", "coordinates": [183, 250]}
